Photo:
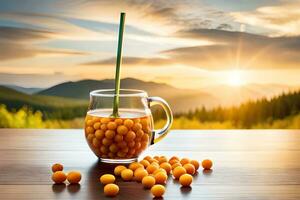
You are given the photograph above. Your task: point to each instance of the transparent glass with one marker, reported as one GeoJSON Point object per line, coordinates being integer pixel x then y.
{"type": "Point", "coordinates": [122, 139]}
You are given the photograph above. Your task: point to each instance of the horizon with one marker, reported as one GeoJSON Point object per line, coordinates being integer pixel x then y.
{"type": "Point", "coordinates": [216, 85]}
{"type": "Point", "coordinates": [189, 45]}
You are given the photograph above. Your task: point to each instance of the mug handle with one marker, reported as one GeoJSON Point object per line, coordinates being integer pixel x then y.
{"type": "Point", "coordinates": [164, 131]}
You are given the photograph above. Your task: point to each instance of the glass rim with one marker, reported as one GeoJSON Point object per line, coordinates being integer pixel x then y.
{"type": "Point", "coordinates": [110, 93]}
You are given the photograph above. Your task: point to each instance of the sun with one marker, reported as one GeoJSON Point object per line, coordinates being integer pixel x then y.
{"type": "Point", "coordinates": [236, 78]}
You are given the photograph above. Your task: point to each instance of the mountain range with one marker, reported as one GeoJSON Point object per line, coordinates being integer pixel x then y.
{"type": "Point", "coordinates": [180, 100]}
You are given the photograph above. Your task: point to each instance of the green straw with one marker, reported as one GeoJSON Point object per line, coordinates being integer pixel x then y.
{"type": "Point", "coordinates": [118, 67]}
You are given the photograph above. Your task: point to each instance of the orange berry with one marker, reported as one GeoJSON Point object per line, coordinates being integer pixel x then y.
{"type": "Point", "coordinates": [152, 160]}
{"type": "Point", "coordinates": [207, 164]}
{"type": "Point", "coordinates": [148, 158]}
{"type": "Point", "coordinates": [136, 127]}
{"type": "Point", "coordinates": [174, 158]}
{"type": "Point", "coordinates": [133, 166]}
{"type": "Point", "coordinates": [89, 122]}
{"type": "Point", "coordinates": [161, 159]}
{"type": "Point", "coordinates": [118, 138]}
{"type": "Point", "coordinates": [166, 166]}
{"type": "Point", "coordinates": [96, 143]}
{"type": "Point", "coordinates": [160, 178]}
{"type": "Point", "coordinates": [128, 123]}
{"type": "Point", "coordinates": [111, 125]}
{"type": "Point", "coordinates": [110, 134]}
{"type": "Point", "coordinates": [158, 190]}
{"type": "Point", "coordinates": [130, 136]}
{"type": "Point", "coordinates": [89, 130]}
{"type": "Point", "coordinates": [156, 158]}
{"type": "Point", "coordinates": [104, 120]}
{"type": "Point", "coordinates": [196, 164]}
{"type": "Point", "coordinates": [145, 163]}
{"type": "Point", "coordinates": [151, 168]}
{"type": "Point", "coordinates": [159, 170]}
{"type": "Point", "coordinates": [57, 167]}
{"type": "Point", "coordinates": [118, 169]}
{"type": "Point", "coordinates": [176, 165]}
{"type": "Point", "coordinates": [103, 127]}
{"type": "Point", "coordinates": [178, 171]}
{"type": "Point", "coordinates": [74, 177]}
{"type": "Point", "coordinates": [111, 190]}
{"type": "Point", "coordinates": [59, 177]}
{"type": "Point", "coordinates": [184, 161]}
{"type": "Point", "coordinates": [139, 133]}
{"type": "Point", "coordinates": [113, 148]}
{"type": "Point", "coordinates": [145, 138]}
{"type": "Point", "coordinates": [119, 121]}
{"type": "Point", "coordinates": [106, 142]}
{"type": "Point", "coordinates": [99, 134]}
{"type": "Point", "coordinates": [107, 178]}
{"type": "Point", "coordinates": [127, 174]}
{"type": "Point", "coordinates": [185, 180]}
{"type": "Point", "coordinates": [173, 161]}
{"type": "Point", "coordinates": [139, 174]}
{"type": "Point", "coordinates": [190, 169]}
{"type": "Point", "coordinates": [148, 181]}
{"type": "Point", "coordinates": [122, 130]}
{"type": "Point", "coordinates": [97, 125]}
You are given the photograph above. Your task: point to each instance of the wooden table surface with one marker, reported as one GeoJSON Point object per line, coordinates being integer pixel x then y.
{"type": "Point", "coordinates": [248, 164]}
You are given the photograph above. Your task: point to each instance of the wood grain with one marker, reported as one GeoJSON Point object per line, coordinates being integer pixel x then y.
{"type": "Point", "coordinates": [248, 164]}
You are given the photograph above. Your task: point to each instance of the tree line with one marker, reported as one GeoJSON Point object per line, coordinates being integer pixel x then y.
{"type": "Point", "coordinates": [251, 112]}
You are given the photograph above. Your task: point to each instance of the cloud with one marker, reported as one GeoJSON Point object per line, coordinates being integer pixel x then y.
{"type": "Point", "coordinates": [159, 17]}
{"type": "Point", "coordinates": [133, 61]}
{"type": "Point", "coordinates": [15, 34]}
{"type": "Point", "coordinates": [60, 26]}
{"type": "Point", "coordinates": [237, 49]}
{"type": "Point", "coordinates": [282, 19]}
{"type": "Point", "coordinates": [34, 80]}
{"type": "Point", "coordinates": [19, 43]}
{"type": "Point", "coordinates": [228, 50]}
{"type": "Point", "coordinates": [10, 51]}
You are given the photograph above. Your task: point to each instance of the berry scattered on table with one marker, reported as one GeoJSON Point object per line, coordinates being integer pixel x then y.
{"type": "Point", "coordinates": [74, 177]}
{"type": "Point", "coordinates": [178, 171]}
{"type": "Point", "coordinates": [185, 180]}
{"type": "Point", "coordinates": [57, 167]}
{"type": "Point", "coordinates": [118, 169]}
{"type": "Point", "coordinates": [111, 190]}
{"type": "Point", "coordinates": [127, 174]}
{"type": "Point", "coordinates": [59, 177]}
{"type": "Point", "coordinates": [158, 190]}
{"type": "Point", "coordinates": [148, 181]}
{"type": "Point", "coordinates": [107, 178]}
{"type": "Point", "coordinates": [207, 164]}
{"type": "Point", "coordinates": [151, 172]}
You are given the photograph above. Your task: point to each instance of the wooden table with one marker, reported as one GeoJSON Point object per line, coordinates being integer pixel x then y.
{"type": "Point", "coordinates": [248, 164]}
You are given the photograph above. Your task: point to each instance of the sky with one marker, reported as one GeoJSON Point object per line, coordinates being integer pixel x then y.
{"type": "Point", "coordinates": [184, 43]}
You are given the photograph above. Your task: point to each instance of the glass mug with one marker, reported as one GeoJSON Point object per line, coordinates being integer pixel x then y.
{"type": "Point", "coordinates": [122, 139]}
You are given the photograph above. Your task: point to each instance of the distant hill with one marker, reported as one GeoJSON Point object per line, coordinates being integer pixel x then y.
{"type": "Point", "coordinates": [233, 96]}
{"type": "Point", "coordinates": [179, 99]}
{"type": "Point", "coordinates": [255, 113]}
{"type": "Point", "coordinates": [24, 89]}
{"type": "Point", "coordinates": [52, 107]}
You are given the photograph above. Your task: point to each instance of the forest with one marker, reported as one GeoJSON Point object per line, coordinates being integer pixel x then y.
{"type": "Point", "coordinates": [281, 111]}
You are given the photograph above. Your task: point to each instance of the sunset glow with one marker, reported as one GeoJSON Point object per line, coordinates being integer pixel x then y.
{"type": "Point", "coordinates": [236, 78]}
{"type": "Point", "coordinates": [186, 45]}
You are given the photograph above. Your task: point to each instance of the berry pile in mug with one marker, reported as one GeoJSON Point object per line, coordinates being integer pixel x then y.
{"type": "Point", "coordinates": [118, 138]}
{"type": "Point", "coordinates": [153, 173]}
